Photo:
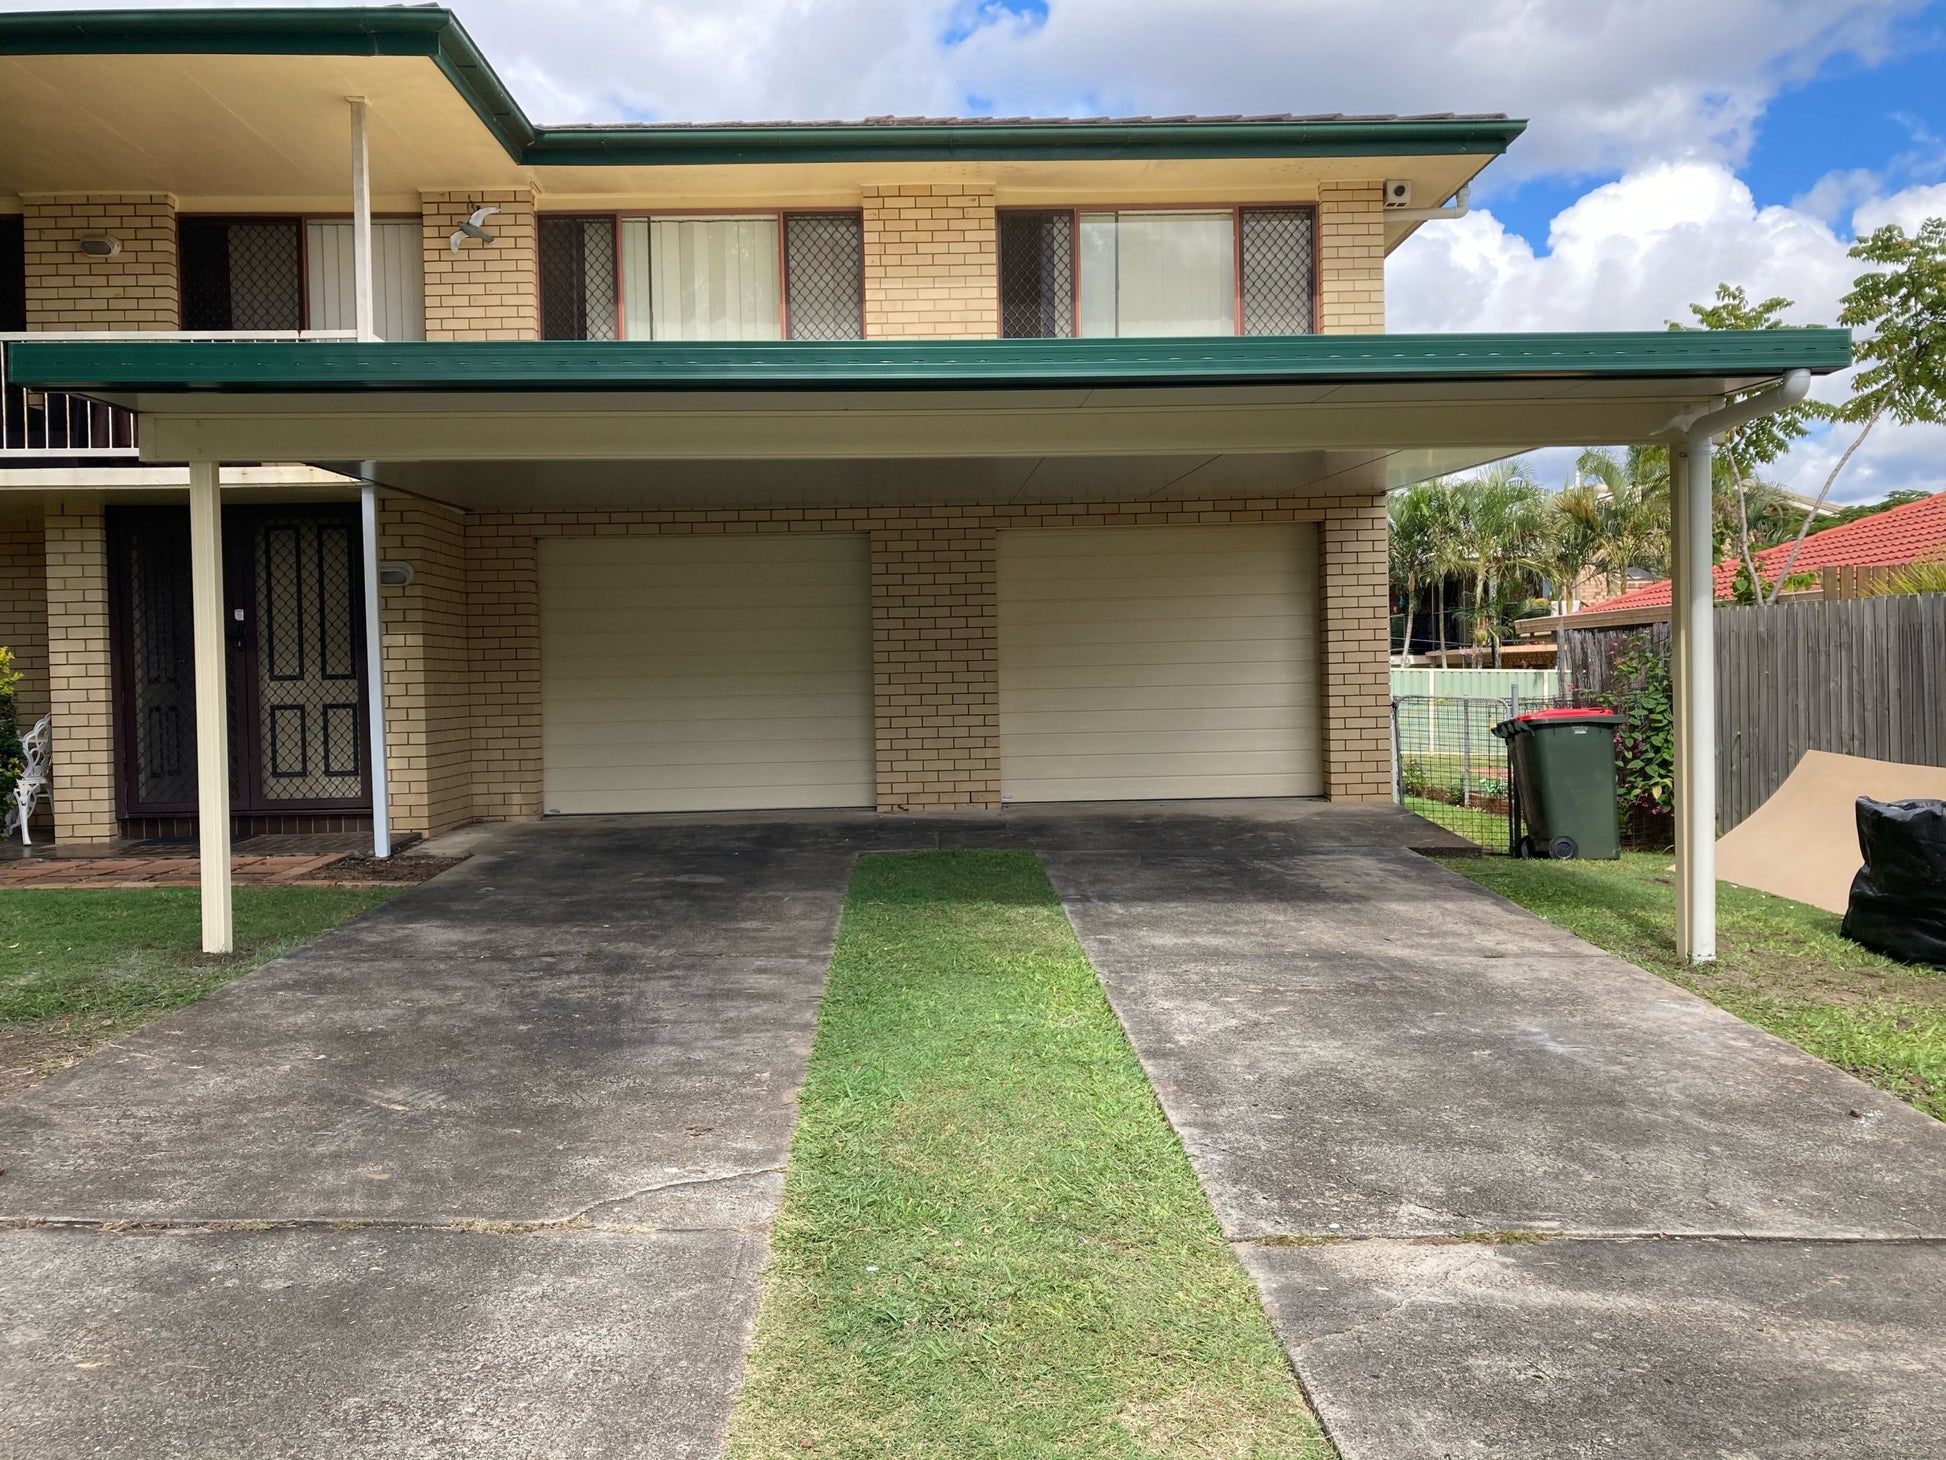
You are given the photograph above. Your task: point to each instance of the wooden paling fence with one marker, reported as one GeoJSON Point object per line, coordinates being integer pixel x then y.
{"type": "Point", "coordinates": [1858, 676]}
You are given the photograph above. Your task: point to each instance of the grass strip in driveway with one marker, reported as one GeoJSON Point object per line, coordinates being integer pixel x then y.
{"type": "Point", "coordinates": [1780, 964]}
{"type": "Point", "coordinates": [83, 967]}
{"type": "Point", "coordinates": [991, 1242]}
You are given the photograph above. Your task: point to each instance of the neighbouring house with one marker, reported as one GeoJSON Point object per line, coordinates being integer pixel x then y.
{"type": "Point", "coordinates": [907, 464]}
{"type": "Point", "coordinates": [1895, 538]}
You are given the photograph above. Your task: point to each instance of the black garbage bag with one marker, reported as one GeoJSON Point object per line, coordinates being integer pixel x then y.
{"type": "Point", "coordinates": [1898, 898]}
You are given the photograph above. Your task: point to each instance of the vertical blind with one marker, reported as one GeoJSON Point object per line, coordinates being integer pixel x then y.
{"type": "Point", "coordinates": [1158, 274]}
{"type": "Point", "coordinates": [398, 279]}
{"type": "Point", "coordinates": [700, 278]}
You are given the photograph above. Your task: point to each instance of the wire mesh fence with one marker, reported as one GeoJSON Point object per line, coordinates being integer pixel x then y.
{"type": "Point", "coordinates": [1449, 766]}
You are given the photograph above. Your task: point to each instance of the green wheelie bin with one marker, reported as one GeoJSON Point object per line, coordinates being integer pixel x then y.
{"type": "Point", "coordinates": [1562, 765]}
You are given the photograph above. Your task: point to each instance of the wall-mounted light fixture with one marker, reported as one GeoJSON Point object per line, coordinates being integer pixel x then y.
{"type": "Point", "coordinates": [394, 575]}
{"type": "Point", "coordinates": [101, 246]}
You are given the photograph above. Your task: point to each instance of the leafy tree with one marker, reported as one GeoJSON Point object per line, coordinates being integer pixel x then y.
{"type": "Point", "coordinates": [1413, 547]}
{"type": "Point", "coordinates": [1902, 497]}
{"type": "Point", "coordinates": [1902, 360]}
{"type": "Point", "coordinates": [1499, 525]}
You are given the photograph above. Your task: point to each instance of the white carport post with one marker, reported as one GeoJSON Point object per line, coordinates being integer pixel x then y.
{"type": "Point", "coordinates": [212, 703]}
{"type": "Point", "coordinates": [1692, 652]}
{"type": "Point", "coordinates": [374, 676]}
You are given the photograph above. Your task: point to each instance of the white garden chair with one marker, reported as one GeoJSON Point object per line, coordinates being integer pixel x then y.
{"type": "Point", "coordinates": [32, 783]}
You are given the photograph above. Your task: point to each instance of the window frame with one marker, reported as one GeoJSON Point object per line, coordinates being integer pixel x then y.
{"type": "Point", "coordinates": [298, 220]}
{"type": "Point", "coordinates": [1236, 212]}
{"type": "Point", "coordinates": [779, 217]}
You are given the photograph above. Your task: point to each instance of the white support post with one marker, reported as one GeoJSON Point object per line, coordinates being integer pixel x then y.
{"type": "Point", "coordinates": [1693, 675]}
{"type": "Point", "coordinates": [212, 704]}
{"type": "Point", "coordinates": [364, 307]}
{"type": "Point", "coordinates": [374, 677]}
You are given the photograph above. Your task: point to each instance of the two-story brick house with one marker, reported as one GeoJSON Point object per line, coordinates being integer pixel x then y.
{"type": "Point", "coordinates": [908, 464]}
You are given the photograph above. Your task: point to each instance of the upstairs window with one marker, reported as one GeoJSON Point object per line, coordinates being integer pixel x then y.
{"type": "Point", "coordinates": [577, 268]}
{"type": "Point", "coordinates": [763, 276]}
{"type": "Point", "coordinates": [282, 274]}
{"type": "Point", "coordinates": [1156, 272]}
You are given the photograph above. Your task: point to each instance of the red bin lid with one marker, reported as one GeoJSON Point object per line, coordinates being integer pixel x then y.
{"type": "Point", "coordinates": [1570, 713]}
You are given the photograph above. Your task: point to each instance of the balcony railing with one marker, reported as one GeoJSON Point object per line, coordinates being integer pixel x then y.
{"type": "Point", "coordinates": [47, 425]}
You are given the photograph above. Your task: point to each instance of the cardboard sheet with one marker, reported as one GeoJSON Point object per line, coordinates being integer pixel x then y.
{"type": "Point", "coordinates": [1803, 842]}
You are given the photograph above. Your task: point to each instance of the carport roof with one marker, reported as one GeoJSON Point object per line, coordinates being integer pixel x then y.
{"type": "Point", "coordinates": [112, 368]}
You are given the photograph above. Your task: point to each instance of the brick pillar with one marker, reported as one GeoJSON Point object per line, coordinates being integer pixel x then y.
{"type": "Point", "coordinates": [80, 693]}
{"type": "Point", "coordinates": [69, 290]}
{"type": "Point", "coordinates": [486, 291]}
{"type": "Point", "coordinates": [1357, 643]}
{"type": "Point", "coordinates": [935, 665]}
{"type": "Point", "coordinates": [932, 262]}
{"type": "Point", "coordinates": [504, 643]}
{"type": "Point", "coordinates": [425, 672]}
{"type": "Point", "coordinates": [1351, 256]}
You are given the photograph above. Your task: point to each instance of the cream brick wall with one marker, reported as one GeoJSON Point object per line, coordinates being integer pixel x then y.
{"type": "Point", "coordinates": [935, 661]}
{"type": "Point", "coordinates": [1351, 258]}
{"type": "Point", "coordinates": [934, 634]}
{"type": "Point", "coordinates": [427, 681]}
{"type": "Point", "coordinates": [486, 291]}
{"type": "Point", "coordinates": [80, 693]}
{"type": "Point", "coordinates": [67, 290]}
{"type": "Point", "coordinates": [23, 610]}
{"type": "Point", "coordinates": [932, 262]}
{"type": "Point", "coordinates": [1357, 649]}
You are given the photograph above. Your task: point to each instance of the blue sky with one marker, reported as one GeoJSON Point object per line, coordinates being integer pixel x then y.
{"type": "Point", "coordinates": [1888, 118]}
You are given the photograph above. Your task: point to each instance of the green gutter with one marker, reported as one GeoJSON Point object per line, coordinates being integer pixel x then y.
{"type": "Point", "coordinates": [438, 35]}
{"type": "Point", "coordinates": [106, 367]}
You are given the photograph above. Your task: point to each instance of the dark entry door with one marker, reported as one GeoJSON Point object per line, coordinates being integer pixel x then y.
{"type": "Point", "coordinates": [296, 663]}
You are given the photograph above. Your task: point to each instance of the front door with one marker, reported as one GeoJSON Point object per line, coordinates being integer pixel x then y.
{"type": "Point", "coordinates": [295, 660]}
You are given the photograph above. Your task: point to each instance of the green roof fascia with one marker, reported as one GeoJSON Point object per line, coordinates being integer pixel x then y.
{"type": "Point", "coordinates": [437, 34]}
{"type": "Point", "coordinates": [163, 366]}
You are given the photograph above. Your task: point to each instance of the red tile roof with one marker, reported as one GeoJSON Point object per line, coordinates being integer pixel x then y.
{"type": "Point", "coordinates": [1905, 534]}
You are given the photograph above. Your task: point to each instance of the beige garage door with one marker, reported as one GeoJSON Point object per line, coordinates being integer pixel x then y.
{"type": "Point", "coordinates": [706, 674]}
{"type": "Point", "coordinates": [1159, 662]}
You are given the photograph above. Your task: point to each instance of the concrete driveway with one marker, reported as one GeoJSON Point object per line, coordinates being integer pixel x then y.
{"type": "Point", "coordinates": [1507, 1196]}
{"type": "Point", "coordinates": [486, 1173]}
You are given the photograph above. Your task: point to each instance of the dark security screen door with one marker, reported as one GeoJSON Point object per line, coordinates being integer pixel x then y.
{"type": "Point", "coordinates": [296, 662]}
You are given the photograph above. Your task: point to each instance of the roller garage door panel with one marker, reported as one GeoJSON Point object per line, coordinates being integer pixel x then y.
{"type": "Point", "coordinates": [706, 674]}
{"type": "Point", "coordinates": [1163, 663]}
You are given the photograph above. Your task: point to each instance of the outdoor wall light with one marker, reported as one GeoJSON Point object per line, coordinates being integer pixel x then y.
{"type": "Point", "coordinates": [394, 575]}
{"type": "Point", "coordinates": [101, 246]}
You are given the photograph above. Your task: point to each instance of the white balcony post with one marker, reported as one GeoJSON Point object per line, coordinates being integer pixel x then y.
{"type": "Point", "coordinates": [1693, 676]}
{"type": "Point", "coordinates": [364, 308]}
{"type": "Point", "coordinates": [374, 676]}
{"type": "Point", "coordinates": [212, 704]}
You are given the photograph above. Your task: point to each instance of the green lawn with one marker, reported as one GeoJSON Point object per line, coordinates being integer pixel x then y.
{"type": "Point", "coordinates": [1780, 964]}
{"type": "Point", "coordinates": [80, 968]}
{"type": "Point", "coordinates": [991, 1242]}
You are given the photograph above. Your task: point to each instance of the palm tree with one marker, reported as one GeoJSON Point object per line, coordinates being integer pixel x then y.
{"type": "Point", "coordinates": [1413, 546]}
{"type": "Point", "coordinates": [1633, 491]}
{"type": "Point", "coordinates": [1500, 528]}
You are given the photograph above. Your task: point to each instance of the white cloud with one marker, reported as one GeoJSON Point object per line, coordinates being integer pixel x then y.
{"type": "Point", "coordinates": [1635, 254]}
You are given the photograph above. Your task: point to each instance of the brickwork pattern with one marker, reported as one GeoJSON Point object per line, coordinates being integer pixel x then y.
{"type": "Point", "coordinates": [932, 262]}
{"type": "Point", "coordinates": [934, 633]}
{"type": "Point", "coordinates": [68, 290]}
{"type": "Point", "coordinates": [80, 692]}
{"type": "Point", "coordinates": [935, 662]}
{"type": "Point", "coordinates": [1357, 648]}
{"type": "Point", "coordinates": [1351, 257]}
{"type": "Point", "coordinates": [424, 670]}
{"type": "Point", "coordinates": [486, 291]}
{"type": "Point", "coordinates": [23, 611]}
